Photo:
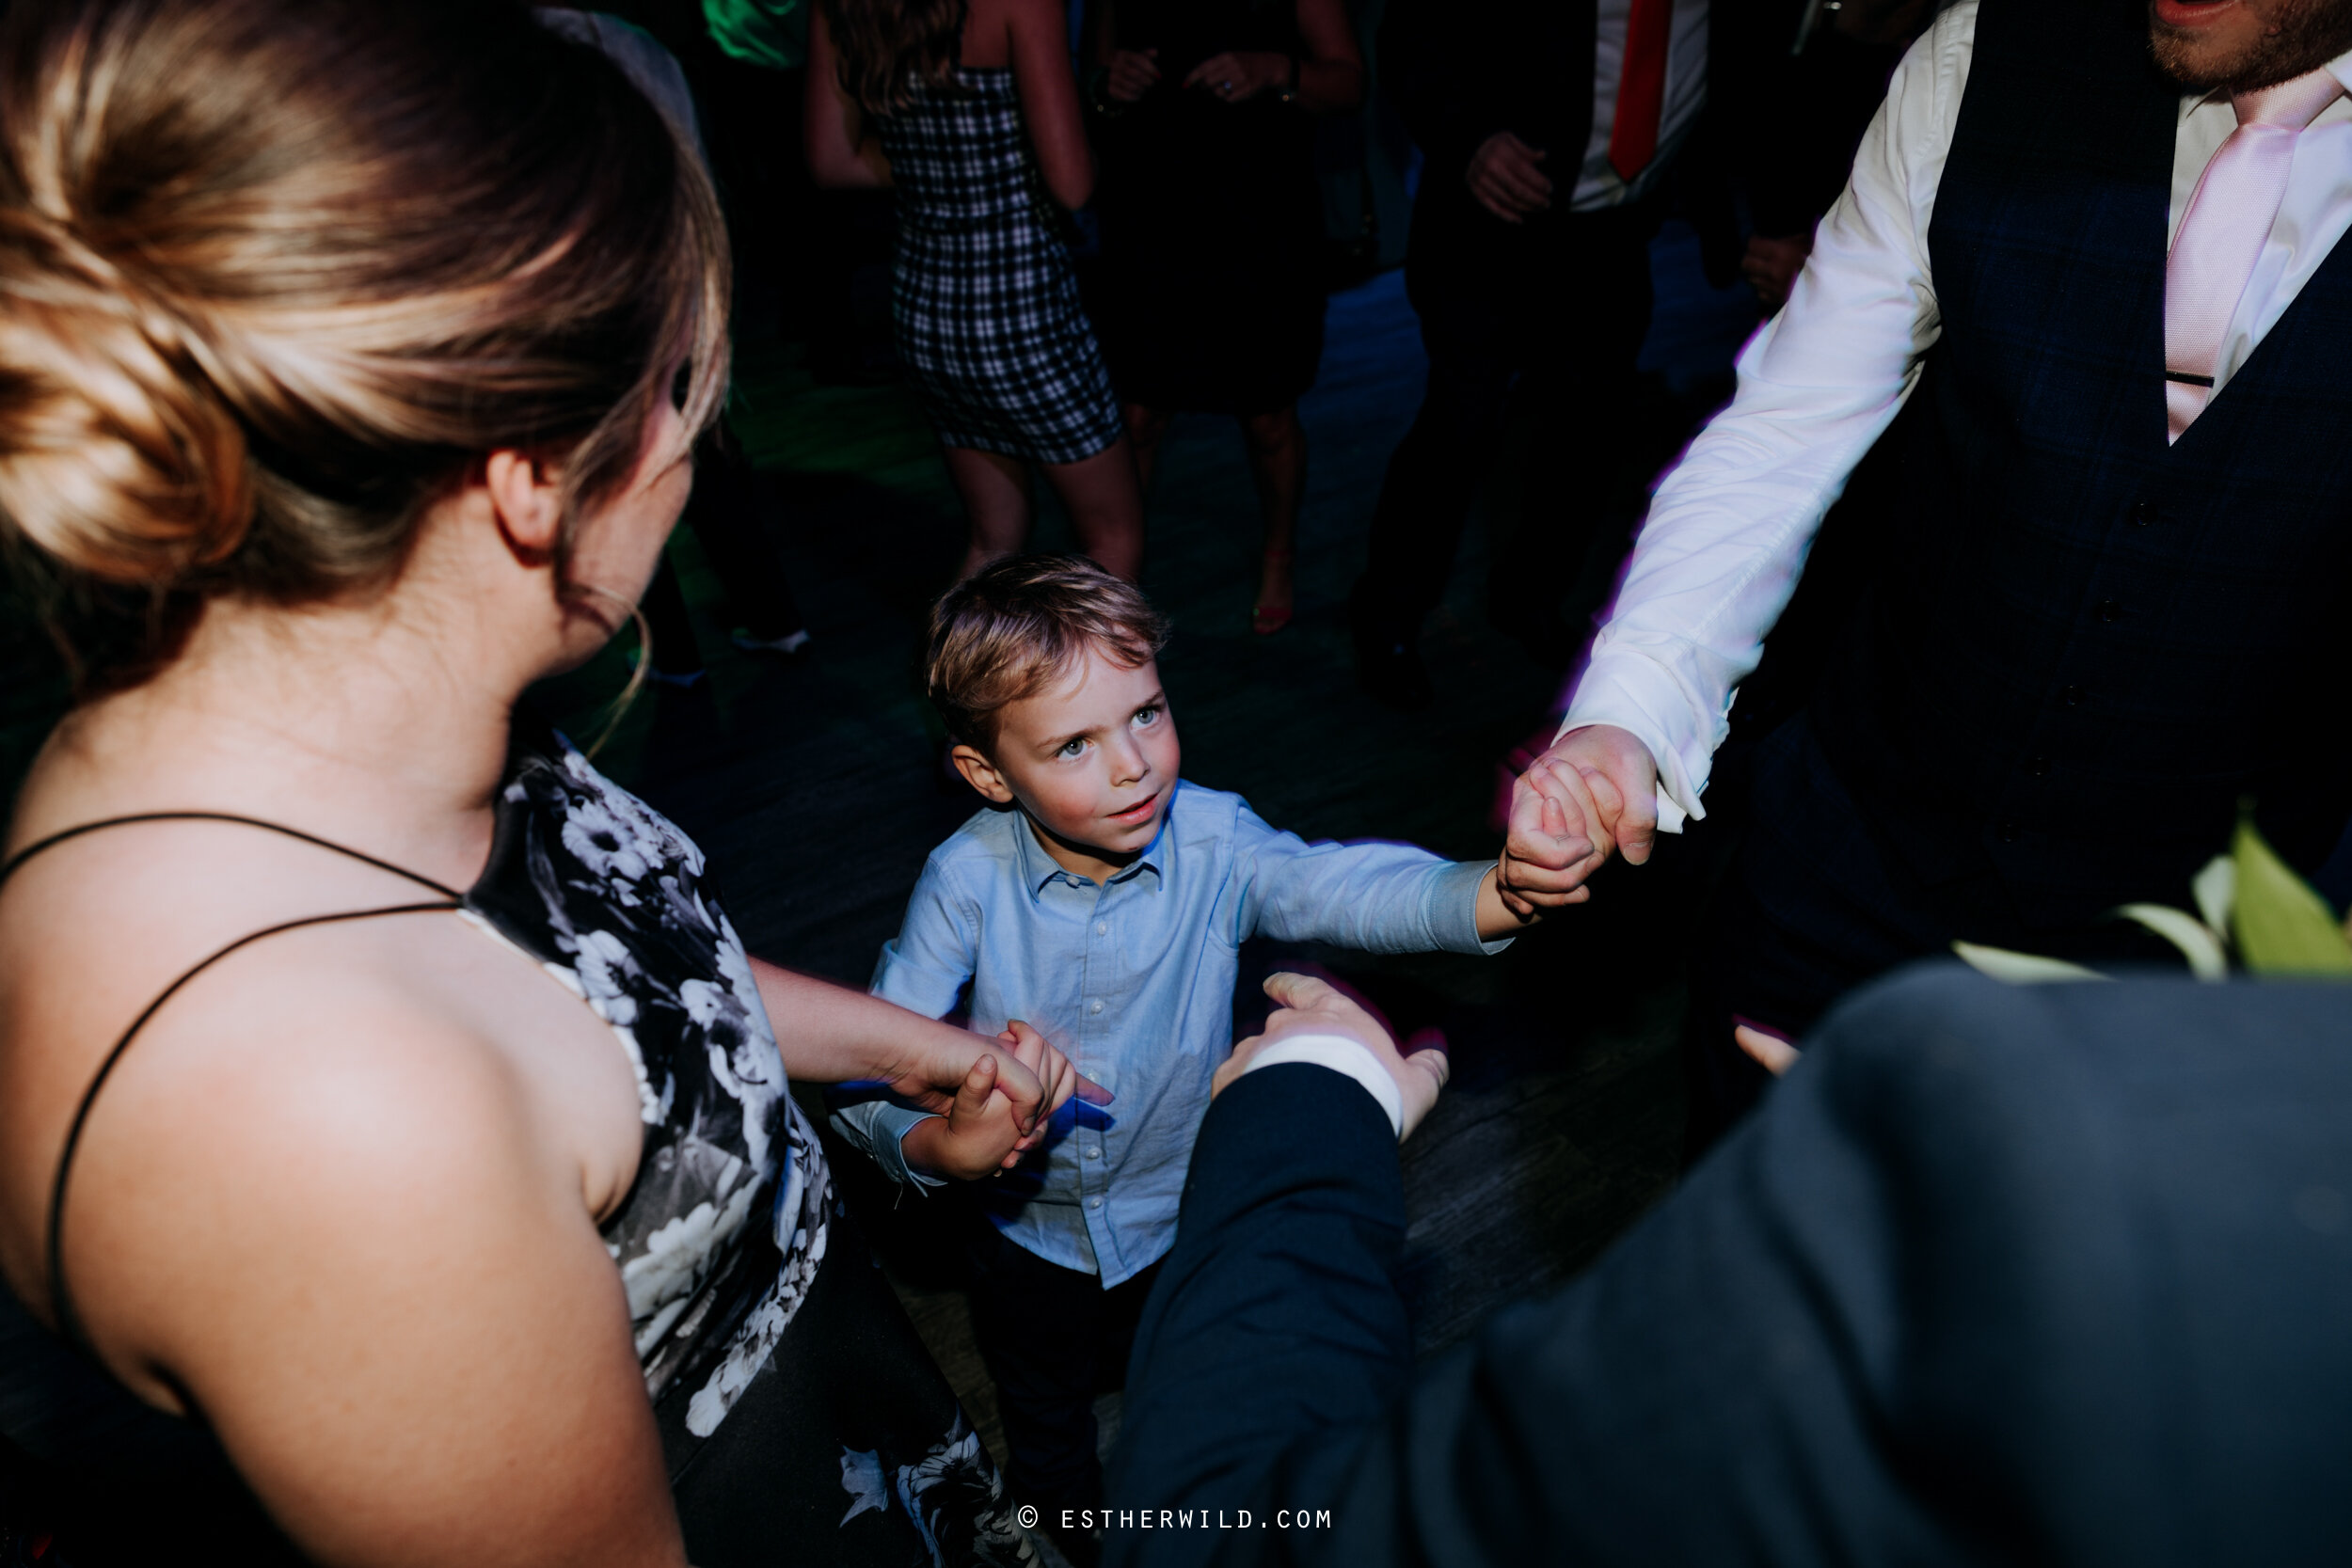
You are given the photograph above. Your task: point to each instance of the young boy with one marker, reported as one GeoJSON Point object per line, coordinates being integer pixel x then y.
{"type": "Point", "coordinates": [1106, 909]}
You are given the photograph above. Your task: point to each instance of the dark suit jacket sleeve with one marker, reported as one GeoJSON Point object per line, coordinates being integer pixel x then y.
{"type": "Point", "coordinates": [2049, 1274]}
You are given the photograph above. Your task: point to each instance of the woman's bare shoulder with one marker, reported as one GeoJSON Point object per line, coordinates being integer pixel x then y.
{"type": "Point", "coordinates": [343, 1230]}
{"type": "Point", "coordinates": [298, 1112]}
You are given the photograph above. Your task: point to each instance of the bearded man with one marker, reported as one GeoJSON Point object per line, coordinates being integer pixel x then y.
{"type": "Point", "coordinates": [2099, 239]}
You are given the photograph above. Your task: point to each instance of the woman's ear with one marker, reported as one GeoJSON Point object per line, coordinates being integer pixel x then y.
{"type": "Point", "coordinates": [981, 774]}
{"type": "Point", "coordinates": [527, 503]}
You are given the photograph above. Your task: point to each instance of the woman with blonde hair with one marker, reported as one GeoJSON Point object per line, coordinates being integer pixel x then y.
{"type": "Point", "coordinates": [970, 110]}
{"type": "Point", "coordinates": [388, 1106]}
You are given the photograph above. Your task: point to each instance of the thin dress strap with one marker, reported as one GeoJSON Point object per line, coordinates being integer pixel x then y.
{"type": "Point", "coordinates": [68, 1322]}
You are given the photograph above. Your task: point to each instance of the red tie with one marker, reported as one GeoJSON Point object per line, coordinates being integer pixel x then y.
{"type": "Point", "coordinates": [1641, 89]}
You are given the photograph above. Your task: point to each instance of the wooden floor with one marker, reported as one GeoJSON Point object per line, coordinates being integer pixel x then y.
{"type": "Point", "coordinates": [814, 786]}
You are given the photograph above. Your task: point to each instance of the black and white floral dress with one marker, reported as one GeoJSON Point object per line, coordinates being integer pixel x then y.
{"type": "Point", "coordinates": [802, 1418]}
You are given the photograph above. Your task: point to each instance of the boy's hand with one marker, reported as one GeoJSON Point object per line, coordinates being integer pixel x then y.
{"type": "Point", "coordinates": [1592, 793]}
{"type": "Point", "coordinates": [1057, 1080]}
{"type": "Point", "coordinates": [977, 1137]}
{"type": "Point", "coordinates": [931, 1083]}
{"type": "Point", "coordinates": [985, 1129]}
{"type": "Point", "coordinates": [979, 1133]}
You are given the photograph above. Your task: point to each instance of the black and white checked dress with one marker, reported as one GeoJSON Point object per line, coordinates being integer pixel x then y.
{"type": "Point", "coordinates": [989, 327]}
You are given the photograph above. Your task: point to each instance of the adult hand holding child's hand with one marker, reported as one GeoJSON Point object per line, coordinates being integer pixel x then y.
{"type": "Point", "coordinates": [998, 1110]}
{"type": "Point", "coordinates": [1594, 792]}
{"type": "Point", "coordinates": [1306, 1006]}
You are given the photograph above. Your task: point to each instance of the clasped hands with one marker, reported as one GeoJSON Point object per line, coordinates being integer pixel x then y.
{"type": "Point", "coordinates": [1594, 792]}
{"type": "Point", "coordinates": [995, 1109]}
{"type": "Point", "coordinates": [1234, 76]}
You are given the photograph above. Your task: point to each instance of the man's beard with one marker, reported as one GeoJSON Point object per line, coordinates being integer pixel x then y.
{"type": "Point", "coordinates": [2310, 33]}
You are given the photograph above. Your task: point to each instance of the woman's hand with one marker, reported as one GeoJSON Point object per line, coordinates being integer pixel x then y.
{"type": "Point", "coordinates": [1237, 76]}
{"type": "Point", "coordinates": [1131, 73]}
{"type": "Point", "coordinates": [1306, 1006]}
{"type": "Point", "coordinates": [982, 1129]}
{"type": "Point", "coordinates": [1029, 1079]}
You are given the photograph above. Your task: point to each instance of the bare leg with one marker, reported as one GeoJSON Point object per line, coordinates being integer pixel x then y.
{"type": "Point", "coordinates": [1105, 506]}
{"type": "Point", "coordinates": [1278, 460]}
{"type": "Point", "coordinates": [1145, 426]}
{"type": "Point", "coordinates": [995, 492]}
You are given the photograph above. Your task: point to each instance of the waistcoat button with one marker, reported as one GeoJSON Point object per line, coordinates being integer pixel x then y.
{"type": "Point", "coordinates": [2144, 514]}
{"type": "Point", "coordinates": [2037, 767]}
{"type": "Point", "coordinates": [2072, 696]}
{"type": "Point", "coordinates": [2110, 610]}
{"type": "Point", "coordinates": [2006, 831]}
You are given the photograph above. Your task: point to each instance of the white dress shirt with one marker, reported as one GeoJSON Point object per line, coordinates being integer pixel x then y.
{"type": "Point", "coordinates": [1729, 528]}
{"type": "Point", "coordinates": [1597, 183]}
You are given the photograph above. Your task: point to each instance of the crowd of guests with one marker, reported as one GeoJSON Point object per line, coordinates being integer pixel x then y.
{"type": "Point", "coordinates": [397, 1161]}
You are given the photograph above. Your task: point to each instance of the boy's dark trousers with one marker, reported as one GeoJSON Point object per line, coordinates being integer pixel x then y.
{"type": "Point", "coordinates": [1051, 1338]}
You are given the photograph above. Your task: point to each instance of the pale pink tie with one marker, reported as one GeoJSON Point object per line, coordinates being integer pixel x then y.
{"type": "Point", "coordinates": [2222, 234]}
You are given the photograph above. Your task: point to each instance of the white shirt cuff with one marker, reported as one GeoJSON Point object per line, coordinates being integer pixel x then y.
{"type": "Point", "coordinates": [1350, 1058]}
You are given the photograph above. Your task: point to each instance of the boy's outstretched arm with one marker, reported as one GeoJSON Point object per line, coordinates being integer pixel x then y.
{"type": "Point", "coordinates": [1380, 897]}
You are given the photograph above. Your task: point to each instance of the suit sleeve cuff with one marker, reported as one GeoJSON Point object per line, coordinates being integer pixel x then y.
{"type": "Point", "coordinates": [1348, 1058]}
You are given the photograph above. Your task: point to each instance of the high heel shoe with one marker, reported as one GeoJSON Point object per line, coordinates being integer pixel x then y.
{"type": "Point", "coordinates": [1267, 619]}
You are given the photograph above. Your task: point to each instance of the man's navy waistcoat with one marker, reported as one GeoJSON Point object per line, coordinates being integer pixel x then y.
{"type": "Point", "coordinates": [2095, 644]}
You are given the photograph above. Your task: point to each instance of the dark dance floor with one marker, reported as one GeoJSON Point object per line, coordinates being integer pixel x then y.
{"type": "Point", "coordinates": [814, 787]}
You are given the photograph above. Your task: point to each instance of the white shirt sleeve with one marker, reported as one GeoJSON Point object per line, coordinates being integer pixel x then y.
{"type": "Point", "coordinates": [1729, 530]}
{"type": "Point", "coordinates": [1349, 1059]}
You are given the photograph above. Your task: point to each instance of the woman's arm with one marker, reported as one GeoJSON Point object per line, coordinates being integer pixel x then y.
{"type": "Point", "coordinates": [1331, 71]}
{"type": "Point", "coordinates": [361, 1254]}
{"type": "Point", "coordinates": [841, 153]}
{"type": "Point", "coordinates": [1039, 46]}
{"type": "Point", "coordinates": [830, 1034]}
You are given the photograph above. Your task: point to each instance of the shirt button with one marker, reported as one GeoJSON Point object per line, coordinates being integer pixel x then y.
{"type": "Point", "coordinates": [2110, 610]}
{"type": "Point", "coordinates": [1102, 927]}
{"type": "Point", "coordinates": [2144, 514]}
{"type": "Point", "coordinates": [1094, 1203]}
{"type": "Point", "coordinates": [1095, 1006]}
{"type": "Point", "coordinates": [2007, 832]}
{"type": "Point", "coordinates": [2037, 767]}
{"type": "Point", "coordinates": [1094, 1154]}
{"type": "Point", "coordinates": [2072, 696]}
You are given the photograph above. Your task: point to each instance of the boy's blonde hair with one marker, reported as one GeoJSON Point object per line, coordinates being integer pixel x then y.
{"type": "Point", "coordinates": [1013, 628]}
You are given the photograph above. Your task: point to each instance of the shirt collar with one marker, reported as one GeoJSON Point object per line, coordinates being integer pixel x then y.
{"type": "Point", "coordinates": [1037, 867]}
{"type": "Point", "coordinates": [2339, 68]}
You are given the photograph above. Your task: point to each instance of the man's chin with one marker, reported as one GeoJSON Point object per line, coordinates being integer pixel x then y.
{"type": "Point", "coordinates": [2209, 45]}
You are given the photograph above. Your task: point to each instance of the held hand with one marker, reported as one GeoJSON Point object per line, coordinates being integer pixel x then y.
{"type": "Point", "coordinates": [1024, 1063]}
{"type": "Point", "coordinates": [1311, 1006]}
{"type": "Point", "coordinates": [1238, 76]}
{"type": "Point", "coordinates": [1594, 792]}
{"type": "Point", "coordinates": [1057, 1079]}
{"type": "Point", "coordinates": [1507, 178]}
{"type": "Point", "coordinates": [1131, 74]}
{"type": "Point", "coordinates": [977, 1136]}
{"type": "Point", "coordinates": [1771, 266]}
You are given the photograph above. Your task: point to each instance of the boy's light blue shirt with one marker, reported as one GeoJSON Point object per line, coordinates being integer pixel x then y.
{"type": "Point", "coordinates": [1133, 980]}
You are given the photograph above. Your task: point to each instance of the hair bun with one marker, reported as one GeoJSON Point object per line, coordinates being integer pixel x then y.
{"type": "Point", "coordinates": [117, 458]}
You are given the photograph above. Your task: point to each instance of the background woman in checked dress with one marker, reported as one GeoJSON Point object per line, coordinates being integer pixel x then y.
{"type": "Point", "coordinates": [970, 110]}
